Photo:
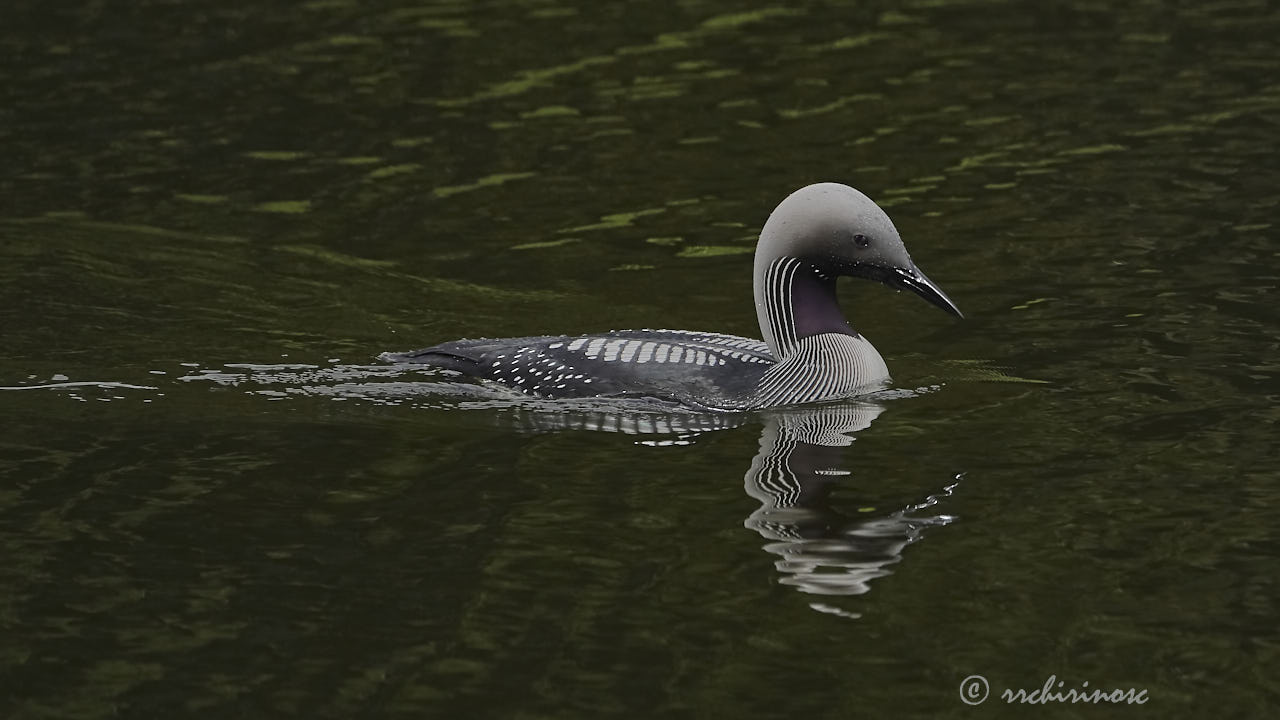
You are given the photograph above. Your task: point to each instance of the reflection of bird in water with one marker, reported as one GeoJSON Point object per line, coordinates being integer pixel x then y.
{"type": "Point", "coordinates": [822, 551]}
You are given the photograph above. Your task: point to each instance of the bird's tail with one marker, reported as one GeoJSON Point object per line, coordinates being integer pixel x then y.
{"type": "Point", "coordinates": [462, 356]}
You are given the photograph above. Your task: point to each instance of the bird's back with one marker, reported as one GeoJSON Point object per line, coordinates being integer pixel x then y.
{"type": "Point", "coordinates": [700, 369]}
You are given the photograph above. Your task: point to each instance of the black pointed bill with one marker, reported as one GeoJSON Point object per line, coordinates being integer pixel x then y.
{"type": "Point", "coordinates": [912, 279]}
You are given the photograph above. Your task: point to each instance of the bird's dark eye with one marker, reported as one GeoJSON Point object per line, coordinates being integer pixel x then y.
{"type": "Point", "coordinates": [861, 240]}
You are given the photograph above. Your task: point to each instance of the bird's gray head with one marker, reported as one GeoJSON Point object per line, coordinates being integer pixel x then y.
{"type": "Point", "coordinates": [840, 231]}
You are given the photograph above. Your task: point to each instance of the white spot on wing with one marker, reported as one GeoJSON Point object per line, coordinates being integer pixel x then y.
{"type": "Point", "coordinates": [611, 350]}
{"type": "Point", "coordinates": [629, 350]}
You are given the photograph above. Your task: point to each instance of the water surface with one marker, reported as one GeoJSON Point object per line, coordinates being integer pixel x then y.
{"type": "Point", "coordinates": [215, 502]}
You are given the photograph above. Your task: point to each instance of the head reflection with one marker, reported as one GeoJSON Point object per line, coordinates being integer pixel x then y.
{"type": "Point", "coordinates": [822, 550]}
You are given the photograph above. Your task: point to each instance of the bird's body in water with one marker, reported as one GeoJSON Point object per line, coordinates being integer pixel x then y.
{"type": "Point", "coordinates": [809, 352]}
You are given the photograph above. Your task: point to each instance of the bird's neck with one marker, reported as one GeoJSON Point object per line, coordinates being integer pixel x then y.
{"type": "Point", "coordinates": [795, 300]}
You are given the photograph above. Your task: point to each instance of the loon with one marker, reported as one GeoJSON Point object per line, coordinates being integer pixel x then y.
{"type": "Point", "coordinates": [809, 353]}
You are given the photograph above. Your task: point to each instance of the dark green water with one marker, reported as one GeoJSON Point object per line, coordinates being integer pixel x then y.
{"type": "Point", "coordinates": [214, 216]}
